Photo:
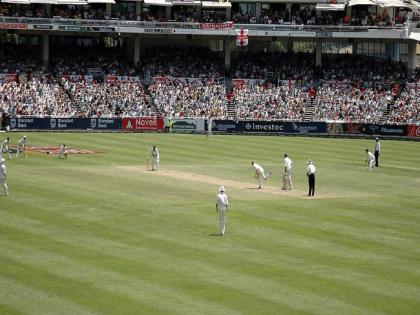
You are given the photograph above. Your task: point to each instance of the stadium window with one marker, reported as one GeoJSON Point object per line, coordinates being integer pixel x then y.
{"type": "Point", "coordinates": [247, 8]}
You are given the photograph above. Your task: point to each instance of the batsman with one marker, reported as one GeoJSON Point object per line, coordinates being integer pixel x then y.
{"type": "Point", "coordinates": [287, 175]}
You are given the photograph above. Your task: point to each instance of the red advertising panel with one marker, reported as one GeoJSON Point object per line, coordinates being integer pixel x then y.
{"type": "Point", "coordinates": [13, 26]}
{"type": "Point", "coordinates": [413, 131]}
{"type": "Point", "coordinates": [143, 123]}
{"type": "Point", "coordinates": [217, 26]}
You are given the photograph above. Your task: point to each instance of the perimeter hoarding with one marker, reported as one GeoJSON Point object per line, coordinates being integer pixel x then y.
{"type": "Point", "coordinates": [102, 123]}
{"type": "Point", "coordinates": [186, 125]}
{"type": "Point", "coordinates": [263, 126]}
{"type": "Point", "coordinates": [366, 129]}
{"type": "Point", "coordinates": [143, 124]}
{"type": "Point", "coordinates": [46, 123]}
{"type": "Point", "coordinates": [226, 126]}
{"type": "Point", "coordinates": [413, 131]}
{"type": "Point", "coordinates": [65, 123]}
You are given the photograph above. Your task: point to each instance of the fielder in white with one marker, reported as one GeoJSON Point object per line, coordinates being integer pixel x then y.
{"type": "Point", "coordinates": [5, 148]}
{"type": "Point", "coordinates": [287, 176]}
{"type": "Point", "coordinates": [3, 176]}
{"type": "Point", "coordinates": [63, 152]}
{"type": "Point", "coordinates": [209, 126]}
{"type": "Point", "coordinates": [155, 158]}
{"type": "Point", "coordinates": [21, 147]}
{"type": "Point", "coordinates": [221, 206]}
{"type": "Point", "coordinates": [370, 159]}
{"type": "Point", "coordinates": [259, 173]}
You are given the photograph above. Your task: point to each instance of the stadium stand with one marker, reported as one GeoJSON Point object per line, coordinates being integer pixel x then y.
{"type": "Point", "coordinates": [270, 102]}
{"type": "Point", "coordinates": [197, 99]}
{"type": "Point", "coordinates": [162, 57]}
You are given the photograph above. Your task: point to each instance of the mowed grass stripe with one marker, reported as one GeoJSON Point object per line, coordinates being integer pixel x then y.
{"type": "Point", "coordinates": [271, 266]}
{"type": "Point", "coordinates": [327, 246]}
{"type": "Point", "coordinates": [264, 288]}
{"type": "Point", "coordinates": [21, 298]}
{"type": "Point", "coordinates": [332, 230]}
{"type": "Point", "coordinates": [139, 288]}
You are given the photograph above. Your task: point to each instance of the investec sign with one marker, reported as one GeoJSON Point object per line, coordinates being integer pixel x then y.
{"type": "Point", "coordinates": [264, 126]}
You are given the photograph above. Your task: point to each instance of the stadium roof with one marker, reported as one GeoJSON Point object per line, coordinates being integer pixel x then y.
{"type": "Point", "coordinates": [390, 3]}
{"type": "Point", "coordinates": [72, 2]}
{"type": "Point", "coordinates": [415, 36]}
{"type": "Point", "coordinates": [186, 2]}
{"type": "Point", "coordinates": [216, 4]}
{"type": "Point", "coordinates": [16, 1]}
{"type": "Point", "coordinates": [101, 1]}
{"type": "Point", "coordinates": [360, 2]}
{"type": "Point", "coordinates": [44, 1]}
{"type": "Point", "coordinates": [162, 3]}
{"type": "Point", "coordinates": [330, 6]}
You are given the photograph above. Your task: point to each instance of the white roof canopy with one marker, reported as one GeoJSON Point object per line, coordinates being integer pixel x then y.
{"type": "Point", "coordinates": [45, 1]}
{"type": "Point", "coordinates": [162, 3]}
{"type": "Point", "coordinates": [72, 2]}
{"type": "Point", "coordinates": [415, 36]}
{"type": "Point", "coordinates": [16, 1]}
{"type": "Point", "coordinates": [390, 3]}
{"type": "Point", "coordinates": [101, 1]}
{"type": "Point", "coordinates": [330, 7]}
{"type": "Point", "coordinates": [360, 2]}
{"type": "Point", "coordinates": [216, 4]}
{"type": "Point", "coordinates": [186, 2]}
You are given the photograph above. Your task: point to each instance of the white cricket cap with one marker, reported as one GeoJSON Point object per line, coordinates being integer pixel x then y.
{"type": "Point", "coordinates": [221, 188]}
{"type": "Point", "coordinates": [309, 161]}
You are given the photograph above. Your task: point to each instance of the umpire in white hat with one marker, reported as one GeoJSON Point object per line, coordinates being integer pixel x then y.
{"type": "Point", "coordinates": [310, 172]}
{"type": "Point", "coordinates": [221, 206]}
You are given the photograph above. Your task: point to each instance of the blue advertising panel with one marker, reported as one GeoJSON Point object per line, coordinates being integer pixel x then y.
{"type": "Point", "coordinates": [225, 126]}
{"type": "Point", "coordinates": [306, 127]}
{"type": "Point", "coordinates": [101, 123]}
{"type": "Point", "coordinates": [66, 123]}
{"type": "Point", "coordinates": [263, 126]}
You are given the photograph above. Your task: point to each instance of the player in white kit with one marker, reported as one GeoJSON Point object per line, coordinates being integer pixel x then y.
{"type": "Point", "coordinates": [5, 148]}
{"type": "Point", "coordinates": [21, 147]}
{"type": "Point", "coordinates": [221, 206]}
{"type": "Point", "coordinates": [3, 176]}
{"type": "Point", "coordinates": [259, 173]}
{"type": "Point", "coordinates": [370, 159]}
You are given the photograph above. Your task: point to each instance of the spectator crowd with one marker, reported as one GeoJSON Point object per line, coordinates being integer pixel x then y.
{"type": "Point", "coordinates": [304, 14]}
{"type": "Point", "coordinates": [270, 102]}
{"type": "Point", "coordinates": [348, 103]}
{"type": "Point", "coordinates": [190, 83]}
{"type": "Point", "coordinates": [197, 99]}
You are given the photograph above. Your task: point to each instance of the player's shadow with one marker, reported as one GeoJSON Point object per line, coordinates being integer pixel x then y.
{"type": "Point", "coordinates": [214, 234]}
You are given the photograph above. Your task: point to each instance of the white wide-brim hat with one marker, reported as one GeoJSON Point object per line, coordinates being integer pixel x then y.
{"type": "Point", "coordinates": [221, 188]}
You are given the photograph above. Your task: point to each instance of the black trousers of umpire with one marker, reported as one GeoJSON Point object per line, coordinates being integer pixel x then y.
{"type": "Point", "coordinates": [376, 158]}
{"type": "Point", "coordinates": [311, 180]}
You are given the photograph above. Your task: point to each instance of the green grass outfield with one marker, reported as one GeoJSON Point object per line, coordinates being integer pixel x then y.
{"type": "Point", "coordinates": [98, 234]}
